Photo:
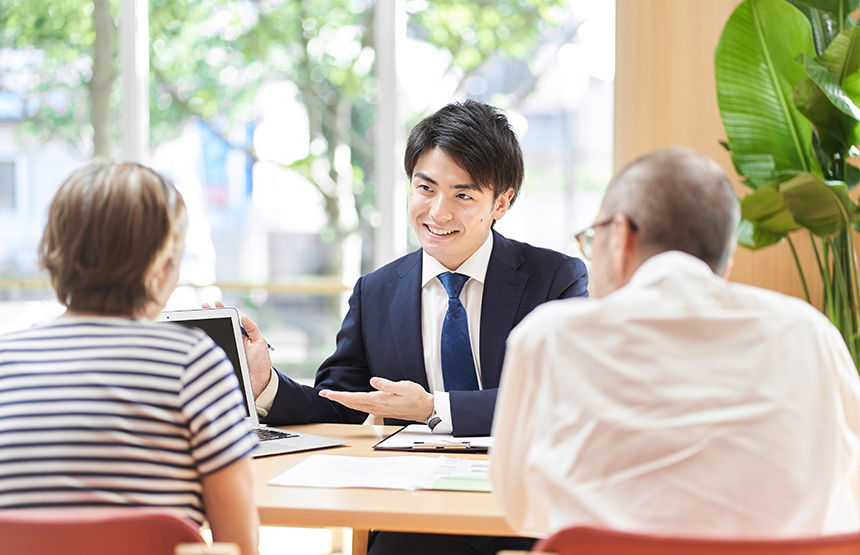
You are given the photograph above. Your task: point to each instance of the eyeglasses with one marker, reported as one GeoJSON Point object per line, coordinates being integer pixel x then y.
{"type": "Point", "coordinates": [585, 238]}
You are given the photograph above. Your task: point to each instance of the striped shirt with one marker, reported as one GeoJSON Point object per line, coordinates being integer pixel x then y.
{"type": "Point", "coordinates": [104, 411]}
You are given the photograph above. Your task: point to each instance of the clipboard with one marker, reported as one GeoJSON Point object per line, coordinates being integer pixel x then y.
{"type": "Point", "coordinates": [419, 438]}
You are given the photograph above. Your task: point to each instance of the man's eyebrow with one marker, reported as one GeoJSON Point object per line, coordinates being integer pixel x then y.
{"type": "Point", "coordinates": [464, 186]}
{"type": "Point", "coordinates": [425, 177]}
{"type": "Point", "coordinates": [469, 187]}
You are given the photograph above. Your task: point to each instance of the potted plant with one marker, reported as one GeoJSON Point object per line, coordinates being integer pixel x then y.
{"type": "Point", "coordinates": [788, 90]}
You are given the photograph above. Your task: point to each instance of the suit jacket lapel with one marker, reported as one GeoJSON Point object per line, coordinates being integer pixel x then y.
{"type": "Point", "coordinates": [404, 311]}
{"type": "Point", "coordinates": [503, 289]}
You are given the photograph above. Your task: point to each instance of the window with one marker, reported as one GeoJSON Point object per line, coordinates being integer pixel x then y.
{"type": "Point", "coordinates": [7, 186]}
{"type": "Point", "coordinates": [266, 116]}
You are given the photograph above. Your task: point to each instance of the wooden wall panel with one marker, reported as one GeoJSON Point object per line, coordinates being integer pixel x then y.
{"type": "Point", "coordinates": [665, 95]}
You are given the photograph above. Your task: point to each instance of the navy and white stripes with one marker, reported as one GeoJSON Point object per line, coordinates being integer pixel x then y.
{"type": "Point", "coordinates": [112, 411]}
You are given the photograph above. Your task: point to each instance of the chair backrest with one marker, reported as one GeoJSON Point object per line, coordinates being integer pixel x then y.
{"type": "Point", "coordinates": [587, 541]}
{"type": "Point", "coordinates": [94, 532]}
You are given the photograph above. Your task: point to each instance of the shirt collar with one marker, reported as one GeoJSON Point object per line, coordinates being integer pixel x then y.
{"type": "Point", "coordinates": [475, 266]}
{"type": "Point", "coordinates": [669, 262]}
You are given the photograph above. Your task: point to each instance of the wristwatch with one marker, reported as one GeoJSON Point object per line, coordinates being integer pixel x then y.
{"type": "Point", "coordinates": [433, 421]}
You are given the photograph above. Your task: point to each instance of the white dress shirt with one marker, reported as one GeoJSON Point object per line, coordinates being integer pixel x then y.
{"type": "Point", "coordinates": [680, 404]}
{"type": "Point", "coordinates": [434, 305]}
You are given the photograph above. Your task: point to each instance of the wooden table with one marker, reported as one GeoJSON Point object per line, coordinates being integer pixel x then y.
{"type": "Point", "coordinates": [447, 512]}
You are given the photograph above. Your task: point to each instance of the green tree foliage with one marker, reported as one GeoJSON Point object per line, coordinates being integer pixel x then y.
{"type": "Point", "coordinates": [325, 47]}
{"type": "Point", "coordinates": [209, 58]}
{"type": "Point", "coordinates": [472, 30]}
{"type": "Point", "coordinates": [63, 32]}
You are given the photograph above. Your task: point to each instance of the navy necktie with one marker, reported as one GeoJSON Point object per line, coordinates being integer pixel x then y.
{"type": "Point", "coordinates": [458, 367]}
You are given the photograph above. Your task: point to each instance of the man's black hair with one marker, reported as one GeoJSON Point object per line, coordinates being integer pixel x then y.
{"type": "Point", "coordinates": [478, 138]}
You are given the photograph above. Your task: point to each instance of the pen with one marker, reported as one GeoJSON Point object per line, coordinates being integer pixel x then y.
{"type": "Point", "coordinates": [249, 337]}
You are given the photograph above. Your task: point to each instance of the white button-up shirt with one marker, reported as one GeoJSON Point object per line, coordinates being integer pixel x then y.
{"type": "Point", "coordinates": [679, 404]}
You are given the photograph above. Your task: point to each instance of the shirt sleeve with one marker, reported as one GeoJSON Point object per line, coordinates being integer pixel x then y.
{"type": "Point", "coordinates": [516, 428]}
{"type": "Point", "coordinates": [267, 397]}
{"type": "Point", "coordinates": [848, 386]}
{"type": "Point", "coordinates": [846, 378]}
{"type": "Point", "coordinates": [214, 409]}
{"type": "Point", "coordinates": [442, 406]}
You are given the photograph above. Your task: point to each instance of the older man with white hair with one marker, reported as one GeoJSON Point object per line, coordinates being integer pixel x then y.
{"type": "Point", "coordinates": [676, 402]}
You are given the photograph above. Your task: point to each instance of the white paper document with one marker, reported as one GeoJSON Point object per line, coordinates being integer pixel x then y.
{"type": "Point", "coordinates": [407, 472]}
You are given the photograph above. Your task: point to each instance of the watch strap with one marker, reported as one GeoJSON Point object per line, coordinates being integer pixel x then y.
{"type": "Point", "coordinates": [433, 421]}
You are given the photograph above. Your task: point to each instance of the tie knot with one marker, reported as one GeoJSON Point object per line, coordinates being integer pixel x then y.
{"type": "Point", "coordinates": [453, 283]}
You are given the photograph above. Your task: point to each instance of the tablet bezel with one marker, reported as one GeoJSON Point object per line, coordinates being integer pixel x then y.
{"type": "Point", "coordinates": [216, 313]}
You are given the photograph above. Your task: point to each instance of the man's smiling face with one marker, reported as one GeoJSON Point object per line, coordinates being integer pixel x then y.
{"type": "Point", "coordinates": [450, 214]}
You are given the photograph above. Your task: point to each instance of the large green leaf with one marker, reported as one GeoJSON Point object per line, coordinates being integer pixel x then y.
{"type": "Point", "coordinates": [765, 208]}
{"type": "Point", "coordinates": [842, 60]}
{"type": "Point", "coordinates": [755, 73]}
{"type": "Point", "coordinates": [753, 237]}
{"type": "Point", "coordinates": [803, 200]}
{"type": "Point", "coordinates": [842, 57]}
{"type": "Point", "coordinates": [820, 98]}
{"type": "Point", "coordinates": [829, 86]}
{"type": "Point", "coordinates": [759, 169]}
{"type": "Point", "coordinates": [838, 132]}
{"type": "Point", "coordinates": [765, 218]}
{"type": "Point", "coordinates": [822, 207]}
{"type": "Point", "coordinates": [852, 176]}
{"type": "Point", "coordinates": [839, 8]}
{"type": "Point", "coordinates": [824, 26]}
{"type": "Point", "coordinates": [851, 86]}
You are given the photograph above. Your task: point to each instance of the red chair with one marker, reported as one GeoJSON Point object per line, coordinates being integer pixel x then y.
{"type": "Point", "coordinates": [580, 540]}
{"type": "Point", "coordinates": [96, 532]}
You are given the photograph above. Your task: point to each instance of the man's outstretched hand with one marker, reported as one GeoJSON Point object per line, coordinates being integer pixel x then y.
{"type": "Point", "coordinates": [256, 352]}
{"type": "Point", "coordinates": [403, 400]}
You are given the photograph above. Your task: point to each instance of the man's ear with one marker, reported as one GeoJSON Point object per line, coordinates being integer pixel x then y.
{"type": "Point", "coordinates": [729, 265]}
{"type": "Point", "coordinates": [623, 248]}
{"type": "Point", "coordinates": [503, 202]}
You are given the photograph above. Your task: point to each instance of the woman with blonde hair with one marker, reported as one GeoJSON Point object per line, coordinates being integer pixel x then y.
{"type": "Point", "coordinates": [103, 407]}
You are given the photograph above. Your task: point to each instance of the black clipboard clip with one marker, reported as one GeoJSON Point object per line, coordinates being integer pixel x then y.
{"type": "Point", "coordinates": [433, 444]}
{"type": "Point", "coordinates": [442, 446]}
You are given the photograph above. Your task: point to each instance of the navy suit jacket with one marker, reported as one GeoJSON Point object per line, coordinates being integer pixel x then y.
{"type": "Point", "coordinates": [381, 334]}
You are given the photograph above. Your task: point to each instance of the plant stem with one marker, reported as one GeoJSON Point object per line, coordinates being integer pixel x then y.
{"type": "Point", "coordinates": [827, 282]}
{"type": "Point", "coordinates": [799, 269]}
{"type": "Point", "coordinates": [820, 271]}
{"type": "Point", "coordinates": [847, 259]}
{"type": "Point", "coordinates": [855, 285]}
{"type": "Point", "coordinates": [839, 292]}
{"type": "Point", "coordinates": [845, 308]}
{"type": "Point", "coordinates": [841, 16]}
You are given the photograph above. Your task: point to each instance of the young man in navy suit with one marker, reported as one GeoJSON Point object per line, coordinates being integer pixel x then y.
{"type": "Point", "coordinates": [424, 337]}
